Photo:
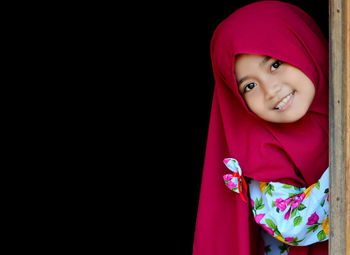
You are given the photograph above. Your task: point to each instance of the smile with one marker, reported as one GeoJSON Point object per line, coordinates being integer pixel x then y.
{"type": "Point", "coordinates": [285, 102]}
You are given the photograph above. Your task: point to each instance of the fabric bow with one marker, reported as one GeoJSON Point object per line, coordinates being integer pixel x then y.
{"type": "Point", "coordinates": [235, 181]}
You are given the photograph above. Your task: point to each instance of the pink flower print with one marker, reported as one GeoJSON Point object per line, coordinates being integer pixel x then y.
{"type": "Point", "coordinates": [259, 217]}
{"type": "Point", "coordinates": [281, 204]}
{"type": "Point", "coordinates": [287, 215]}
{"type": "Point", "coordinates": [228, 177]}
{"type": "Point", "coordinates": [289, 239]}
{"type": "Point", "coordinates": [226, 160]}
{"type": "Point", "coordinates": [298, 200]}
{"type": "Point", "coordinates": [231, 185]}
{"type": "Point", "coordinates": [287, 201]}
{"type": "Point", "coordinates": [267, 229]}
{"type": "Point", "coordinates": [312, 219]}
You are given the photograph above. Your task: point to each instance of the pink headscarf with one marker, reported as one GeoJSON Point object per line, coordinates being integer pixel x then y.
{"type": "Point", "coordinates": [293, 153]}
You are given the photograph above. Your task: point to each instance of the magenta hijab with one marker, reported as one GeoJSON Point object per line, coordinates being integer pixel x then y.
{"type": "Point", "coordinates": [293, 153]}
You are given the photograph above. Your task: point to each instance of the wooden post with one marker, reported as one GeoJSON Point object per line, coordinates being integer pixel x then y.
{"type": "Point", "coordinates": [339, 18]}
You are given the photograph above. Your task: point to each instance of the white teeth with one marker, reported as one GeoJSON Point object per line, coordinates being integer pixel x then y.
{"type": "Point", "coordinates": [283, 102]}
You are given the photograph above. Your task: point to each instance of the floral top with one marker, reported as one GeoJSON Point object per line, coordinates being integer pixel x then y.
{"type": "Point", "coordinates": [288, 215]}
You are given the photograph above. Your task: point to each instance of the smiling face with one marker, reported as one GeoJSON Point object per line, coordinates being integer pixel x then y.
{"type": "Point", "coordinates": [273, 90]}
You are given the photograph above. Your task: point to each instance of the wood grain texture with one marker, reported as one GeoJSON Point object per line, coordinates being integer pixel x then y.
{"type": "Point", "coordinates": [339, 127]}
{"type": "Point", "coordinates": [346, 91]}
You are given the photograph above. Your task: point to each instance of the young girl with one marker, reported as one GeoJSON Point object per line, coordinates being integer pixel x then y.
{"type": "Point", "coordinates": [268, 136]}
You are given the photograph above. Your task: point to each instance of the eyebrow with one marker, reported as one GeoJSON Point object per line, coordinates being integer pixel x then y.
{"type": "Point", "coordinates": [265, 59]}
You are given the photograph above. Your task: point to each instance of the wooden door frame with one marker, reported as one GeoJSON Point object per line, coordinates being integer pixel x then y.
{"type": "Point", "coordinates": [339, 152]}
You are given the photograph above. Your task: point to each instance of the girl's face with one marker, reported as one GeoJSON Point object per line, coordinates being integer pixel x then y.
{"type": "Point", "coordinates": [273, 90]}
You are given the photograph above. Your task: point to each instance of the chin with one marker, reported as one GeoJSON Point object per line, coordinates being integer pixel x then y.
{"type": "Point", "coordinates": [285, 119]}
{"type": "Point", "coordinates": [290, 119]}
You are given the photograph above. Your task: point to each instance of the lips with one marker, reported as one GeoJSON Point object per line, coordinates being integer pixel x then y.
{"type": "Point", "coordinates": [284, 102]}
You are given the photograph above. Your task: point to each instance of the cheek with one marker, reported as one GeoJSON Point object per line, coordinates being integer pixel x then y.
{"type": "Point", "coordinates": [249, 100]}
{"type": "Point", "coordinates": [307, 89]}
{"type": "Point", "coordinates": [301, 81]}
{"type": "Point", "coordinates": [311, 88]}
{"type": "Point", "coordinates": [255, 104]}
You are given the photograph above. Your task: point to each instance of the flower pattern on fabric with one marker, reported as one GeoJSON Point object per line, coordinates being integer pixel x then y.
{"type": "Point", "coordinates": [293, 216]}
{"type": "Point", "coordinates": [273, 246]}
{"type": "Point", "coordinates": [235, 181]}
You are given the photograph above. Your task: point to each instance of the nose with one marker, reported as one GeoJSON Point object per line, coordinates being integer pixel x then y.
{"type": "Point", "coordinates": [271, 89]}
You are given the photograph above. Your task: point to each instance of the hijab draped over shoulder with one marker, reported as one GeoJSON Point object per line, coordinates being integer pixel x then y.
{"type": "Point", "coordinates": [292, 153]}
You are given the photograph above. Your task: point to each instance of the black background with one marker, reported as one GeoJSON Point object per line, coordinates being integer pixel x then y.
{"type": "Point", "coordinates": [123, 144]}
{"type": "Point", "coordinates": [172, 84]}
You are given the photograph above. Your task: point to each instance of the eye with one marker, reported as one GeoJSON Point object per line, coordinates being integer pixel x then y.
{"type": "Point", "coordinates": [275, 65]}
{"type": "Point", "coordinates": [249, 87]}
